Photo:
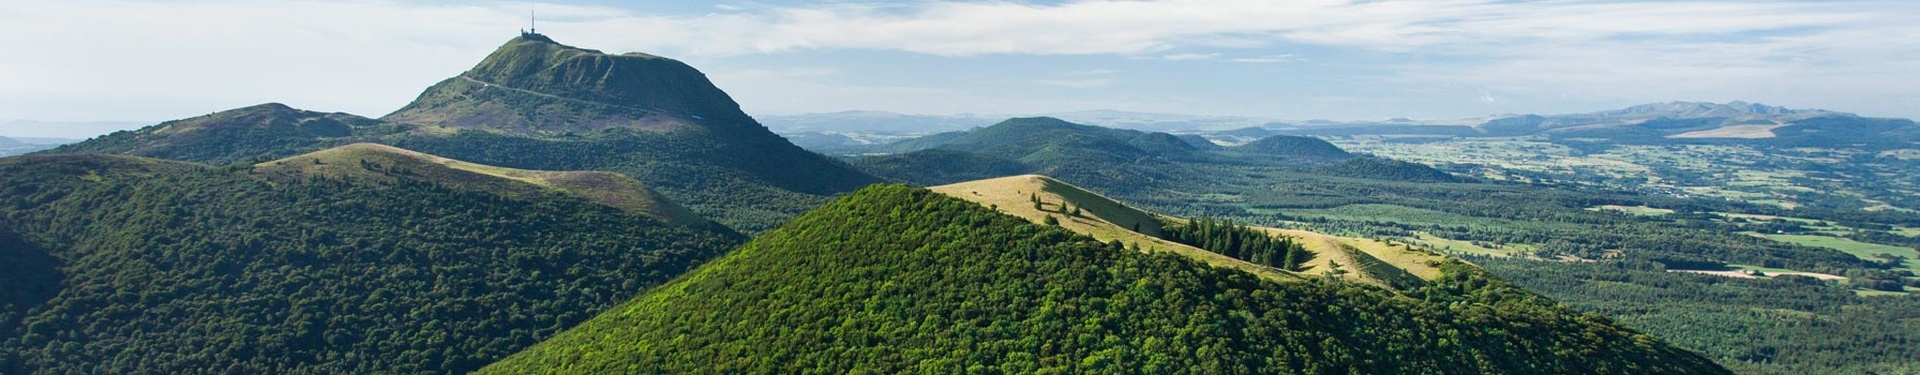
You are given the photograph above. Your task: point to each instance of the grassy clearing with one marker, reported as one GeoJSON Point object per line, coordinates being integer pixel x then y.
{"type": "Point", "coordinates": [1388, 213]}
{"type": "Point", "coordinates": [382, 163]}
{"type": "Point", "coordinates": [1636, 210]}
{"type": "Point", "coordinates": [1882, 293]}
{"type": "Point", "coordinates": [1467, 247]}
{"type": "Point", "coordinates": [1102, 218]}
{"type": "Point", "coordinates": [1734, 131]}
{"type": "Point", "coordinates": [1365, 260]}
{"type": "Point", "coordinates": [1858, 249]}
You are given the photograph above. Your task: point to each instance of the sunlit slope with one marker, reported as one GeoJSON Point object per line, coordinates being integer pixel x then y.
{"type": "Point", "coordinates": [1365, 260]}
{"type": "Point", "coordinates": [1100, 217]}
{"type": "Point", "coordinates": [381, 163]}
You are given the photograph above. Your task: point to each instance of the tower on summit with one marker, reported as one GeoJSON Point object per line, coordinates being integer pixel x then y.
{"type": "Point", "coordinates": [532, 22]}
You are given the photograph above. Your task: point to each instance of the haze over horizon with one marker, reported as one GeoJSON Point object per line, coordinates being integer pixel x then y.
{"type": "Point", "coordinates": [107, 60]}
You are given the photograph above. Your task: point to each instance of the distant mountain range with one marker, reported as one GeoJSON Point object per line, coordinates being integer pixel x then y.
{"type": "Point", "coordinates": [15, 146]}
{"type": "Point", "coordinates": [1648, 123]}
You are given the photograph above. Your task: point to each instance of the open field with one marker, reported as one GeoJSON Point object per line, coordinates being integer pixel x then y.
{"type": "Point", "coordinates": [1747, 272]}
{"type": "Point", "coordinates": [1734, 131]}
{"type": "Point", "coordinates": [1869, 251]}
{"type": "Point", "coordinates": [1636, 210]}
{"type": "Point", "coordinates": [1790, 178]}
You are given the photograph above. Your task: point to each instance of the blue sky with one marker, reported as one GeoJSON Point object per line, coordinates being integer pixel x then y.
{"type": "Point", "coordinates": [94, 60]}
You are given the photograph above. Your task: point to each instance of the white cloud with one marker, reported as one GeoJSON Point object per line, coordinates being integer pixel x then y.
{"type": "Point", "coordinates": [1087, 83]}
{"type": "Point", "coordinates": [1094, 72]}
{"type": "Point", "coordinates": [1265, 59]}
{"type": "Point", "coordinates": [158, 60]}
{"type": "Point", "coordinates": [1191, 56]}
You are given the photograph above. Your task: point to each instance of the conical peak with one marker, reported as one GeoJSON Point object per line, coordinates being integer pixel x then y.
{"type": "Point", "coordinates": [587, 89]}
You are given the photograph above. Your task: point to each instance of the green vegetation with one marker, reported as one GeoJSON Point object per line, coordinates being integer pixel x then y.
{"type": "Point", "coordinates": [1386, 169]}
{"type": "Point", "coordinates": [1542, 219]}
{"type": "Point", "coordinates": [114, 264]}
{"type": "Point", "coordinates": [250, 134]}
{"type": "Point", "coordinates": [374, 163]}
{"type": "Point", "coordinates": [532, 85]}
{"type": "Point", "coordinates": [1636, 210]}
{"type": "Point", "coordinates": [1238, 241]}
{"type": "Point", "coordinates": [1862, 250]}
{"type": "Point", "coordinates": [535, 104]}
{"type": "Point", "coordinates": [1784, 325]}
{"type": "Point", "coordinates": [892, 279]}
{"type": "Point", "coordinates": [1308, 149]}
{"type": "Point", "coordinates": [744, 183]}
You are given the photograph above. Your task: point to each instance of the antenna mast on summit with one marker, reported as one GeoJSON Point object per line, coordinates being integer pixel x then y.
{"type": "Point", "coordinates": [532, 22]}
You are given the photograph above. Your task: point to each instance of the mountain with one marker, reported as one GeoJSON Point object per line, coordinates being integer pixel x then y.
{"type": "Point", "coordinates": [360, 259]}
{"type": "Point", "coordinates": [1308, 149]}
{"type": "Point", "coordinates": [539, 105]}
{"type": "Point", "coordinates": [1043, 145]}
{"type": "Point", "coordinates": [533, 85]}
{"type": "Point", "coordinates": [61, 132]}
{"type": "Point", "coordinates": [10, 146]}
{"type": "Point", "coordinates": [1158, 122]}
{"type": "Point", "coordinates": [239, 135]}
{"type": "Point", "coordinates": [1386, 169]}
{"type": "Point", "coordinates": [892, 279]}
{"type": "Point", "coordinates": [872, 122]}
{"type": "Point", "coordinates": [881, 122]}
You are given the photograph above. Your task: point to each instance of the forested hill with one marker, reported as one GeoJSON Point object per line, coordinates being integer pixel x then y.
{"type": "Point", "coordinates": [540, 105]}
{"type": "Point", "coordinates": [245, 134]}
{"type": "Point", "coordinates": [126, 265]}
{"type": "Point", "coordinates": [892, 279]}
{"type": "Point", "coordinates": [1294, 147]}
{"type": "Point", "coordinates": [534, 85]}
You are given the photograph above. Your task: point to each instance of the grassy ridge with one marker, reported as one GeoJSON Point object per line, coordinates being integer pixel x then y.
{"type": "Point", "coordinates": [380, 163]}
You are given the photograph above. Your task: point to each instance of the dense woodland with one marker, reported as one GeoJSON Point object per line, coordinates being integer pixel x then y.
{"type": "Point", "coordinates": [1785, 325]}
{"type": "Point", "coordinates": [893, 279]}
{"type": "Point", "coordinates": [1238, 241]}
{"type": "Point", "coordinates": [125, 265]}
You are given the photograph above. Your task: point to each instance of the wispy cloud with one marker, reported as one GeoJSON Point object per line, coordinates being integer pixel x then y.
{"type": "Point", "coordinates": [89, 54]}
{"type": "Point", "coordinates": [1265, 59]}
{"type": "Point", "coordinates": [1191, 56]}
{"type": "Point", "coordinates": [1087, 83]}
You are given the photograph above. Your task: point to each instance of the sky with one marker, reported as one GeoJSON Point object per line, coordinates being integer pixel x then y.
{"type": "Point", "coordinates": [147, 61]}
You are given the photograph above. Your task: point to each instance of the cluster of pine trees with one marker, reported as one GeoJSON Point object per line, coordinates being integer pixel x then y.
{"type": "Point", "coordinates": [1238, 241]}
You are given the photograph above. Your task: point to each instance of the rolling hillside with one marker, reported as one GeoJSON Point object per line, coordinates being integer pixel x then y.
{"type": "Point", "coordinates": [892, 279]}
{"type": "Point", "coordinates": [246, 134]}
{"type": "Point", "coordinates": [404, 264]}
{"type": "Point", "coordinates": [368, 162]}
{"type": "Point", "coordinates": [1364, 260]}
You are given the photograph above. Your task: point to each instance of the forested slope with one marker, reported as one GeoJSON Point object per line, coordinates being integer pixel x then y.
{"type": "Point", "coordinates": [128, 265]}
{"type": "Point", "coordinates": [892, 279]}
